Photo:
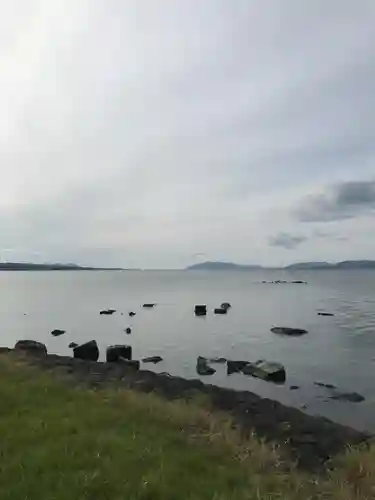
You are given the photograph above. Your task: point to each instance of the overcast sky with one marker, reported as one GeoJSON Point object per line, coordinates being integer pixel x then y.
{"type": "Point", "coordinates": [166, 132]}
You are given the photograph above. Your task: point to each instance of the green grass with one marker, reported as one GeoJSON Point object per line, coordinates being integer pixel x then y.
{"type": "Point", "coordinates": [65, 443]}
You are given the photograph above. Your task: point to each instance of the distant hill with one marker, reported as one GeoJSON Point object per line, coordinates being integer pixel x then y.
{"type": "Point", "coordinates": [28, 266]}
{"type": "Point", "coordinates": [299, 266]}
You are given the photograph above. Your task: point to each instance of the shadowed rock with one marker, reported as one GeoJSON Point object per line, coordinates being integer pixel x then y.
{"type": "Point", "coordinates": [220, 310]}
{"type": "Point", "coordinates": [89, 351]}
{"type": "Point", "coordinates": [72, 345]}
{"type": "Point", "coordinates": [128, 330]}
{"type": "Point", "coordinates": [115, 352]}
{"type": "Point", "coordinates": [235, 366]}
{"type": "Point", "coordinates": [285, 330]}
{"type": "Point", "coordinates": [108, 311]}
{"type": "Point", "coordinates": [266, 370]}
{"type": "Point", "coordinates": [200, 310]}
{"type": "Point", "coordinates": [203, 368]}
{"type": "Point", "coordinates": [225, 305]}
{"type": "Point", "coordinates": [152, 359]}
{"type": "Point", "coordinates": [148, 306]}
{"type": "Point", "coordinates": [131, 314]}
{"type": "Point", "coordinates": [31, 346]}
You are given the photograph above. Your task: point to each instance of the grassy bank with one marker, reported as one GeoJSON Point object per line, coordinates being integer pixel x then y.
{"type": "Point", "coordinates": [62, 443]}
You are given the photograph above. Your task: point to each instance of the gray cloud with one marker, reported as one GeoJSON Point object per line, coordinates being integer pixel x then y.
{"type": "Point", "coordinates": [287, 240]}
{"type": "Point", "coordinates": [341, 201]}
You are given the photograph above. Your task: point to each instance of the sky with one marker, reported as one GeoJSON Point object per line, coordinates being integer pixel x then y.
{"type": "Point", "coordinates": [160, 134]}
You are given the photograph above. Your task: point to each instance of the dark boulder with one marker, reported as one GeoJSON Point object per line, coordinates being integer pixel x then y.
{"type": "Point", "coordinates": [235, 366]}
{"type": "Point", "coordinates": [72, 345]}
{"type": "Point", "coordinates": [225, 305]}
{"type": "Point", "coordinates": [108, 311]}
{"type": "Point", "coordinates": [148, 306]}
{"type": "Point", "coordinates": [134, 364]}
{"type": "Point", "coordinates": [128, 330]}
{"type": "Point", "coordinates": [220, 310]}
{"type": "Point", "coordinates": [325, 314]}
{"type": "Point", "coordinates": [200, 310]}
{"type": "Point", "coordinates": [88, 350]}
{"type": "Point", "coordinates": [284, 330]}
{"type": "Point", "coordinates": [131, 314]}
{"type": "Point", "coordinates": [31, 346]}
{"type": "Point", "coordinates": [115, 352]}
{"type": "Point", "coordinates": [57, 332]}
{"type": "Point", "coordinates": [203, 368]}
{"type": "Point", "coordinates": [152, 359]}
{"type": "Point", "coordinates": [266, 370]}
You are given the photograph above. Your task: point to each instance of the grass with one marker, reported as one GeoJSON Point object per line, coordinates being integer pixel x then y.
{"type": "Point", "coordinates": [66, 443]}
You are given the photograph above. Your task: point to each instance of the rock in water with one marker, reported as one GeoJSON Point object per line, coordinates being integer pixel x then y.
{"type": "Point", "coordinates": [327, 386]}
{"type": "Point", "coordinates": [115, 352]}
{"type": "Point", "coordinates": [225, 305]}
{"type": "Point", "coordinates": [148, 306]}
{"type": "Point", "coordinates": [108, 311]}
{"type": "Point", "coordinates": [88, 350]}
{"type": "Point", "coordinates": [266, 370]}
{"type": "Point", "coordinates": [200, 310]}
{"type": "Point", "coordinates": [134, 364]}
{"type": "Point", "coordinates": [217, 360]}
{"type": "Point", "coordinates": [152, 359]}
{"type": "Point", "coordinates": [203, 368]}
{"type": "Point", "coordinates": [325, 314]}
{"type": "Point", "coordinates": [131, 314]}
{"type": "Point", "coordinates": [235, 366]}
{"type": "Point", "coordinates": [220, 310]}
{"type": "Point", "coordinates": [31, 346]}
{"type": "Point", "coordinates": [128, 330]}
{"type": "Point", "coordinates": [294, 387]}
{"type": "Point", "coordinates": [72, 345]}
{"type": "Point", "coordinates": [352, 397]}
{"type": "Point", "coordinates": [285, 330]}
{"type": "Point", "coordinates": [57, 332]}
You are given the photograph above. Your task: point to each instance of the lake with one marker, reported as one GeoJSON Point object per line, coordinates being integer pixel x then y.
{"type": "Point", "coordinates": [339, 350]}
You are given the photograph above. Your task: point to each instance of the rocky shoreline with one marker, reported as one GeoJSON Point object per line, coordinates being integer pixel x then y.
{"type": "Point", "coordinates": [311, 441]}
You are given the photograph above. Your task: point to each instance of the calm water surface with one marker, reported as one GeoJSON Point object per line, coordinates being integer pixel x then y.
{"type": "Point", "coordinates": [338, 350]}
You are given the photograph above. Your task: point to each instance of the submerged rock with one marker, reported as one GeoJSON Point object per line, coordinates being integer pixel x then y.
{"type": "Point", "coordinates": [88, 350]}
{"type": "Point", "coordinates": [57, 332]}
{"type": "Point", "coordinates": [128, 330]}
{"type": "Point", "coordinates": [108, 311]}
{"type": "Point", "coordinates": [235, 366]}
{"type": "Point", "coordinates": [294, 387]}
{"type": "Point", "coordinates": [31, 346]}
{"type": "Point", "coordinates": [220, 310]}
{"type": "Point", "coordinates": [351, 397]}
{"type": "Point", "coordinates": [72, 345]}
{"type": "Point", "coordinates": [203, 368]}
{"type": "Point", "coordinates": [325, 314]}
{"type": "Point", "coordinates": [217, 360]}
{"type": "Point", "coordinates": [285, 330]}
{"type": "Point", "coordinates": [152, 359]}
{"type": "Point", "coordinates": [225, 305]}
{"type": "Point", "coordinates": [327, 386]}
{"type": "Point", "coordinates": [266, 370]}
{"type": "Point", "coordinates": [200, 310]}
{"type": "Point", "coordinates": [115, 352]}
{"type": "Point", "coordinates": [148, 306]}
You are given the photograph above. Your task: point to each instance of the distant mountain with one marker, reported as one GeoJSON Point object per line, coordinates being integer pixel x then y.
{"type": "Point", "coordinates": [28, 266]}
{"type": "Point", "coordinates": [220, 266]}
{"type": "Point", "coordinates": [299, 266]}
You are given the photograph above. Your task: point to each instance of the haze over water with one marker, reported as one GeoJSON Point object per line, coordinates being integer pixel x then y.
{"type": "Point", "coordinates": [339, 350]}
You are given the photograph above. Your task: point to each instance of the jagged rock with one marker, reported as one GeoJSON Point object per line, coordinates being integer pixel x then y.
{"type": "Point", "coordinates": [325, 314]}
{"type": "Point", "coordinates": [115, 352]}
{"type": "Point", "coordinates": [265, 370]}
{"type": "Point", "coordinates": [31, 346]}
{"type": "Point", "coordinates": [217, 360]}
{"type": "Point", "coordinates": [284, 330]}
{"type": "Point", "coordinates": [88, 350]}
{"type": "Point", "coordinates": [131, 314]}
{"type": "Point", "coordinates": [128, 330]}
{"type": "Point", "coordinates": [235, 366]}
{"type": "Point", "coordinates": [72, 345]}
{"type": "Point", "coordinates": [57, 332]}
{"type": "Point", "coordinates": [149, 306]}
{"type": "Point", "coordinates": [203, 368]}
{"type": "Point", "coordinates": [225, 305]}
{"type": "Point", "coordinates": [108, 311]}
{"type": "Point", "coordinates": [134, 364]}
{"type": "Point", "coordinates": [200, 310]}
{"type": "Point", "coordinates": [220, 310]}
{"type": "Point", "coordinates": [152, 359]}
